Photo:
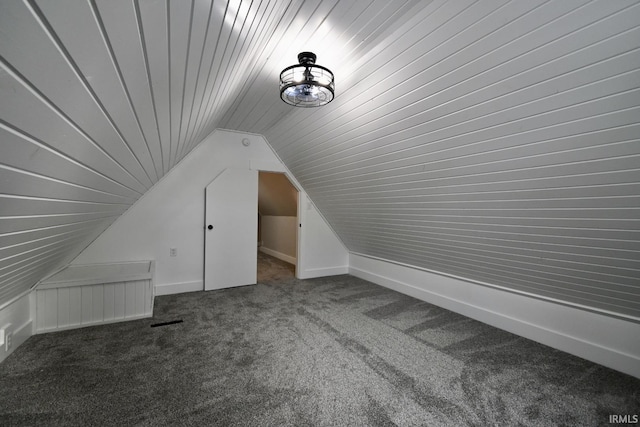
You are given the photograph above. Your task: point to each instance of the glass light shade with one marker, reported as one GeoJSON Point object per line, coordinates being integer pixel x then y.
{"type": "Point", "coordinates": [306, 84]}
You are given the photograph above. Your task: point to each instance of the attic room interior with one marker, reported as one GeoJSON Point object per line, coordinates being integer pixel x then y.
{"type": "Point", "coordinates": [453, 238]}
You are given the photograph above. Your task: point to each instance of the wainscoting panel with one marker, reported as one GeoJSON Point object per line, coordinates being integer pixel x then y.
{"type": "Point", "coordinates": [94, 294]}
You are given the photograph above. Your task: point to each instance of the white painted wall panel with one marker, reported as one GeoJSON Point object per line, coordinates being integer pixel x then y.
{"type": "Point", "coordinates": [154, 24]}
{"type": "Point", "coordinates": [27, 154]}
{"type": "Point", "coordinates": [94, 294]}
{"type": "Point", "coordinates": [120, 23]}
{"type": "Point", "coordinates": [9, 240]}
{"type": "Point", "coordinates": [33, 115]}
{"type": "Point", "coordinates": [136, 236]}
{"type": "Point", "coordinates": [179, 21]}
{"type": "Point", "coordinates": [200, 14]}
{"type": "Point", "coordinates": [75, 306]}
{"type": "Point", "coordinates": [25, 223]}
{"type": "Point", "coordinates": [15, 253]}
{"type": "Point", "coordinates": [60, 83]}
{"type": "Point", "coordinates": [28, 265]}
{"type": "Point", "coordinates": [320, 251]}
{"type": "Point", "coordinates": [119, 298]}
{"type": "Point", "coordinates": [63, 310]}
{"type": "Point", "coordinates": [17, 182]}
{"type": "Point", "coordinates": [109, 301]}
{"type": "Point", "coordinates": [279, 236]}
{"type": "Point", "coordinates": [93, 56]}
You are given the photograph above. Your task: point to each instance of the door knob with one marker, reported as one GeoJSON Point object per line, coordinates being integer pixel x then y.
{"type": "Point", "coordinates": [210, 227]}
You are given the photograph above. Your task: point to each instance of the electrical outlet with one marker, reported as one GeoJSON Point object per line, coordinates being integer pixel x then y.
{"type": "Point", "coordinates": [8, 341]}
{"type": "Point", "coordinates": [173, 252]}
{"type": "Point", "coordinates": [4, 336]}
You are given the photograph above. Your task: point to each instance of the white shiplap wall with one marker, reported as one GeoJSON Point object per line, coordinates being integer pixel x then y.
{"type": "Point", "coordinates": [98, 100]}
{"type": "Point", "coordinates": [496, 141]}
{"type": "Point", "coordinates": [86, 295]}
{"type": "Point", "coordinates": [492, 140]}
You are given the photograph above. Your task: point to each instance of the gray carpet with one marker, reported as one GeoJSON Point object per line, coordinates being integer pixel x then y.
{"type": "Point", "coordinates": [333, 351]}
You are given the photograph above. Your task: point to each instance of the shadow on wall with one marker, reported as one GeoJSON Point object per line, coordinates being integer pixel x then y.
{"type": "Point", "coordinates": [277, 216]}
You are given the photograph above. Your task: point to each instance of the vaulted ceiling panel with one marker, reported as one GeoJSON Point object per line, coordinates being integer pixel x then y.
{"type": "Point", "coordinates": [99, 100]}
{"type": "Point", "coordinates": [94, 56]}
{"type": "Point", "coordinates": [493, 141]}
{"type": "Point", "coordinates": [338, 32]}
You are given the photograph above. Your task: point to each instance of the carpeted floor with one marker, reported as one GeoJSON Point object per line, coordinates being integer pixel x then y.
{"type": "Point", "coordinates": [335, 351]}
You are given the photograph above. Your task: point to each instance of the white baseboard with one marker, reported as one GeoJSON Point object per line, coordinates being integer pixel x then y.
{"type": "Point", "coordinates": [95, 323]}
{"type": "Point", "coordinates": [22, 333]}
{"type": "Point", "coordinates": [284, 257]}
{"type": "Point", "coordinates": [311, 273]}
{"type": "Point", "coordinates": [178, 288]}
{"type": "Point", "coordinates": [17, 316]}
{"type": "Point", "coordinates": [606, 340]}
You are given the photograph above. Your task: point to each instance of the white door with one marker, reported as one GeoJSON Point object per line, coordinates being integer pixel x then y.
{"type": "Point", "coordinates": [231, 229]}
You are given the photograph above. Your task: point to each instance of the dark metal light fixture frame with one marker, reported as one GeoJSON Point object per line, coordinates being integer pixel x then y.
{"type": "Point", "coordinates": [307, 84]}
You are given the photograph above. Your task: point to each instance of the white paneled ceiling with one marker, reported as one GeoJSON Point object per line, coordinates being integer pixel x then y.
{"type": "Point", "coordinates": [491, 140]}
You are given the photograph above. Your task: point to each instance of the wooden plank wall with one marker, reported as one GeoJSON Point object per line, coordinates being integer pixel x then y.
{"type": "Point", "coordinates": [98, 100]}
{"type": "Point", "coordinates": [493, 141]}
{"type": "Point", "coordinates": [68, 307]}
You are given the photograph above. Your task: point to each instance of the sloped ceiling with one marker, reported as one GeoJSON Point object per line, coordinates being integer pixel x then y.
{"type": "Point", "coordinates": [495, 141]}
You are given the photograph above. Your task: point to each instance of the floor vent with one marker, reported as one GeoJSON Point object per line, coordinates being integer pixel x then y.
{"type": "Point", "coordinates": [172, 322]}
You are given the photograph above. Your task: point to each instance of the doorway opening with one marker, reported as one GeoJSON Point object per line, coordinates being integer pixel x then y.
{"type": "Point", "coordinates": [277, 228]}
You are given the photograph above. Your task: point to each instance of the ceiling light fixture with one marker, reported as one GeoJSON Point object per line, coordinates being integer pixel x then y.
{"type": "Point", "coordinates": [306, 84]}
